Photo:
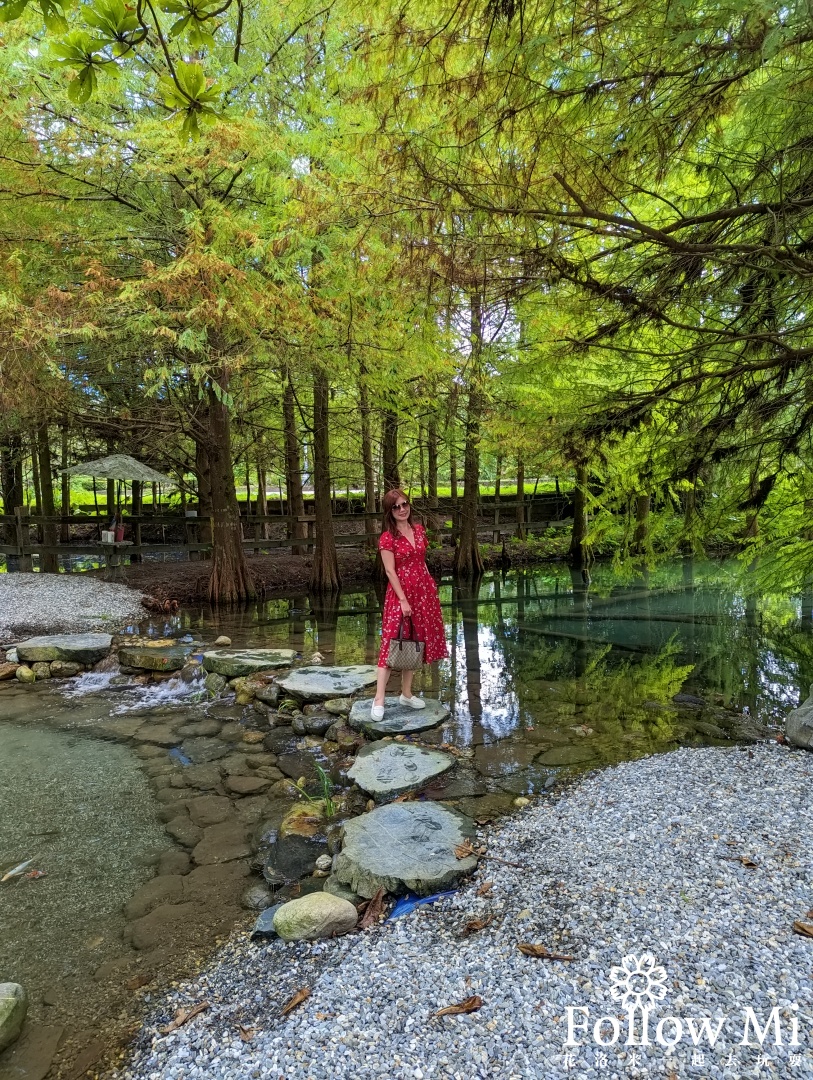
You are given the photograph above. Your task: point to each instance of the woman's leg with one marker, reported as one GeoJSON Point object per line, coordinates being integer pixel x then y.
{"type": "Point", "coordinates": [383, 674]}
{"type": "Point", "coordinates": [406, 683]}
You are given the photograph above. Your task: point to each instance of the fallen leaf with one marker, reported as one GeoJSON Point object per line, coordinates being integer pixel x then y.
{"type": "Point", "coordinates": [748, 862]}
{"type": "Point", "coordinates": [805, 929]}
{"type": "Point", "coordinates": [470, 1005]}
{"type": "Point", "coordinates": [301, 995]}
{"type": "Point", "coordinates": [484, 820]}
{"type": "Point", "coordinates": [408, 796]}
{"type": "Point", "coordinates": [541, 952]}
{"type": "Point", "coordinates": [473, 925]}
{"type": "Point", "coordinates": [182, 1016]}
{"type": "Point", "coordinates": [373, 911]}
{"type": "Point", "coordinates": [246, 1034]}
{"type": "Point", "coordinates": [462, 851]}
{"type": "Point", "coordinates": [485, 888]}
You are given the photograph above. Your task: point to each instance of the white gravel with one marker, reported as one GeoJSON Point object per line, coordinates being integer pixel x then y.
{"type": "Point", "coordinates": [63, 603]}
{"type": "Point", "coordinates": [645, 857]}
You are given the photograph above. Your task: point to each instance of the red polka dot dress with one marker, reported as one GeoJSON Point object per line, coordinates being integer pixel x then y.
{"type": "Point", "coordinates": [421, 592]}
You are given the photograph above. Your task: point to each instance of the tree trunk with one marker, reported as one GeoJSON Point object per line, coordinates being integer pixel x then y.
{"type": "Point", "coordinates": [389, 451]}
{"type": "Point", "coordinates": [432, 454]}
{"type": "Point", "coordinates": [367, 460]}
{"type": "Point", "coordinates": [325, 568]}
{"type": "Point", "coordinates": [262, 503]}
{"type": "Point", "coordinates": [65, 480]}
{"type": "Point", "coordinates": [135, 557]}
{"type": "Point", "coordinates": [468, 562]}
{"type": "Point", "coordinates": [35, 473]}
{"type": "Point", "coordinates": [520, 499]}
{"type": "Point", "coordinates": [230, 581]}
{"type": "Point", "coordinates": [49, 562]}
{"type": "Point", "coordinates": [11, 481]}
{"type": "Point", "coordinates": [752, 518]}
{"type": "Point", "coordinates": [293, 468]}
{"type": "Point", "coordinates": [640, 541]}
{"type": "Point", "coordinates": [577, 555]}
{"type": "Point", "coordinates": [203, 473]}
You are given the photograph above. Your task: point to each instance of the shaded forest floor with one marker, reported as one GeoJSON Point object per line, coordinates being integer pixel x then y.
{"type": "Point", "coordinates": [188, 582]}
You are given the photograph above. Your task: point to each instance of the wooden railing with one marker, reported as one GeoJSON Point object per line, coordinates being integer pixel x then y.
{"type": "Point", "coordinates": [15, 529]}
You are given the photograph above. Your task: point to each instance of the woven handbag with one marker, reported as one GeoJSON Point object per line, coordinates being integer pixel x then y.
{"type": "Point", "coordinates": [405, 654]}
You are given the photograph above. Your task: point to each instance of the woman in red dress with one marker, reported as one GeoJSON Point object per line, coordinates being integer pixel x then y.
{"type": "Point", "coordinates": [410, 592]}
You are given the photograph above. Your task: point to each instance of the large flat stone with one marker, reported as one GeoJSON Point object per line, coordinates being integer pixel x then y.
{"type": "Point", "coordinates": [159, 658]}
{"type": "Point", "coordinates": [222, 843]}
{"type": "Point", "coordinates": [566, 755]}
{"type": "Point", "coordinates": [385, 770]}
{"type": "Point", "coordinates": [31, 1056]}
{"type": "Point", "coordinates": [81, 648]}
{"type": "Point", "coordinates": [234, 663]}
{"type": "Point", "coordinates": [324, 683]}
{"type": "Point", "coordinates": [404, 846]}
{"type": "Point", "coordinates": [398, 719]}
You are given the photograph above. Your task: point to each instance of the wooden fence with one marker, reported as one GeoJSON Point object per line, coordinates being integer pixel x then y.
{"type": "Point", "coordinates": [497, 519]}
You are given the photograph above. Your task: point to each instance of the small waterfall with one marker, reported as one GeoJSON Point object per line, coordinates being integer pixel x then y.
{"type": "Point", "coordinates": [90, 682]}
{"type": "Point", "coordinates": [131, 697]}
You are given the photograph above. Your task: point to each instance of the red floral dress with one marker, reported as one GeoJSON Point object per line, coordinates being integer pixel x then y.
{"type": "Point", "coordinates": [421, 592]}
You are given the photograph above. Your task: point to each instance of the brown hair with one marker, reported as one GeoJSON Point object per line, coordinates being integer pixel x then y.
{"type": "Point", "coordinates": [389, 523]}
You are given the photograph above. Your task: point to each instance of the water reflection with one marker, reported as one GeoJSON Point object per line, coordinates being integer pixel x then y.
{"type": "Point", "coordinates": [531, 649]}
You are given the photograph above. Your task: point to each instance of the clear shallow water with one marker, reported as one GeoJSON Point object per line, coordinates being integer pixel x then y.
{"type": "Point", "coordinates": [540, 656]}
{"type": "Point", "coordinates": [544, 674]}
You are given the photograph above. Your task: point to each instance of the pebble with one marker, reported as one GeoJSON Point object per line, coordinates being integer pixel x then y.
{"type": "Point", "coordinates": [63, 604]}
{"type": "Point", "coordinates": [647, 857]}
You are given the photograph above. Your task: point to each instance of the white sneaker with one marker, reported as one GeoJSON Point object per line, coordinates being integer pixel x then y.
{"type": "Point", "coordinates": [377, 712]}
{"type": "Point", "coordinates": [412, 702]}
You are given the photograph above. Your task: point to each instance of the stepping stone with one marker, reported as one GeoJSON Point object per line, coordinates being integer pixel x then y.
{"type": "Point", "coordinates": [159, 658]}
{"type": "Point", "coordinates": [403, 847]}
{"type": "Point", "coordinates": [200, 751]}
{"type": "Point", "coordinates": [385, 770]}
{"type": "Point", "coordinates": [236, 663]}
{"type": "Point", "coordinates": [566, 755]}
{"type": "Point", "coordinates": [398, 719]}
{"type": "Point", "coordinates": [81, 648]}
{"type": "Point", "coordinates": [324, 683]}
{"type": "Point", "coordinates": [504, 757]}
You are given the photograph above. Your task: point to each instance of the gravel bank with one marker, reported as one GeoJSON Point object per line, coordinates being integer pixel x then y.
{"type": "Point", "coordinates": [63, 603]}
{"type": "Point", "coordinates": [651, 856]}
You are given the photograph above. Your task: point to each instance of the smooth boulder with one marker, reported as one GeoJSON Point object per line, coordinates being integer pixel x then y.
{"type": "Point", "coordinates": [398, 719]}
{"type": "Point", "coordinates": [237, 663]}
{"type": "Point", "coordinates": [317, 915]}
{"type": "Point", "coordinates": [13, 1007]}
{"type": "Point", "coordinates": [324, 683]}
{"type": "Point", "coordinates": [408, 846]}
{"type": "Point", "coordinates": [81, 648]}
{"type": "Point", "coordinates": [155, 658]}
{"type": "Point", "coordinates": [385, 770]}
{"type": "Point", "coordinates": [799, 725]}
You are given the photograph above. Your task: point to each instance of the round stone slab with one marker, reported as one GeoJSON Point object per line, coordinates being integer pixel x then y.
{"type": "Point", "coordinates": [155, 658]}
{"type": "Point", "coordinates": [388, 769]}
{"type": "Point", "coordinates": [81, 648]}
{"type": "Point", "coordinates": [235, 663]}
{"type": "Point", "coordinates": [404, 846]}
{"type": "Point", "coordinates": [398, 719]}
{"type": "Point", "coordinates": [323, 683]}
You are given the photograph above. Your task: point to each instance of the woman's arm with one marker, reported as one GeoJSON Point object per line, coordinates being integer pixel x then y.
{"type": "Point", "coordinates": [388, 559]}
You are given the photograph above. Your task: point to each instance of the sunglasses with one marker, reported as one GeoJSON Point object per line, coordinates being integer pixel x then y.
{"type": "Point", "coordinates": [401, 506]}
